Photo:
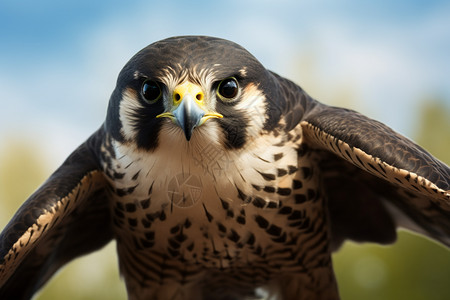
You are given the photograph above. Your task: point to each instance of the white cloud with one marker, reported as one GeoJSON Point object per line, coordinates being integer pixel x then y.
{"type": "Point", "coordinates": [390, 70]}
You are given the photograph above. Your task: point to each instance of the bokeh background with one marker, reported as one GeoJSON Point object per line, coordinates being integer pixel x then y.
{"type": "Point", "coordinates": [387, 59]}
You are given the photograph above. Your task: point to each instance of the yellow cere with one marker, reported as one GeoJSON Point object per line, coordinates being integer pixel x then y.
{"type": "Point", "coordinates": [187, 88]}
{"type": "Point", "coordinates": [196, 92]}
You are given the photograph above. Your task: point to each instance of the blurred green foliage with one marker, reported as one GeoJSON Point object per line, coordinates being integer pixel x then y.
{"type": "Point", "coordinates": [433, 128]}
{"type": "Point", "coordinates": [21, 173]}
{"type": "Point", "coordinates": [413, 268]}
{"type": "Point", "coordinates": [92, 277]}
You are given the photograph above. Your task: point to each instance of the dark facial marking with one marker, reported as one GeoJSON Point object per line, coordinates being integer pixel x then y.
{"type": "Point", "coordinates": [185, 56]}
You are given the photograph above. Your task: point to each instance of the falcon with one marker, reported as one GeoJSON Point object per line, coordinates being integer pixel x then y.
{"type": "Point", "coordinates": [218, 177]}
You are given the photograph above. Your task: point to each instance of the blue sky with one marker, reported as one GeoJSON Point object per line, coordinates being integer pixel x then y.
{"type": "Point", "coordinates": [59, 60]}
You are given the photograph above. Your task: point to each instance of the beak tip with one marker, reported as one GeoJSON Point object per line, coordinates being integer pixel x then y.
{"type": "Point", "coordinates": [188, 135]}
{"type": "Point", "coordinates": [186, 126]}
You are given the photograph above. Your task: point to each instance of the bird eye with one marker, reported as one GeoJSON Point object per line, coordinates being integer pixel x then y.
{"type": "Point", "coordinates": [228, 88]}
{"type": "Point", "coordinates": [151, 91]}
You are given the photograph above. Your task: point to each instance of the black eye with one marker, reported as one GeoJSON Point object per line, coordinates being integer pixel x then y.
{"type": "Point", "coordinates": [151, 91]}
{"type": "Point", "coordinates": [228, 88]}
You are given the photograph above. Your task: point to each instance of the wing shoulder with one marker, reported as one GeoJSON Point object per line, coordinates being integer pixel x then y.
{"type": "Point", "coordinates": [422, 181]}
{"type": "Point", "coordinates": [66, 217]}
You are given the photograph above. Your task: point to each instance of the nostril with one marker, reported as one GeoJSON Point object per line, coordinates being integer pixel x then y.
{"type": "Point", "coordinates": [177, 97]}
{"type": "Point", "coordinates": [199, 97]}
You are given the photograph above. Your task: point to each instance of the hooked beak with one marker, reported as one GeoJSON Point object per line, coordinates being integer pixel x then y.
{"type": "Point", "coordinates": [188, 115]}
{"type": "Point", "coordinates": [188, 109]}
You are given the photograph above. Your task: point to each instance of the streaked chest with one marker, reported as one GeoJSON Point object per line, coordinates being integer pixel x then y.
{"type": "Point", "coordinates": [203, 202]}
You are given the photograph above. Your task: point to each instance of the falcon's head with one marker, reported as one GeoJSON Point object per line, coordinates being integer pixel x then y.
{"type": "Point", "coordinates": [191, 89]}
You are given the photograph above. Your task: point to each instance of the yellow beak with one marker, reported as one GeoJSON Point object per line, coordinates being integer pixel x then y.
{"type": "Point", "coordinates": [188, 108]}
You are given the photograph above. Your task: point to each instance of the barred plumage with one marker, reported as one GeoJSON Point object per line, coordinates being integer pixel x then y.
{"type": "Point", "coordinates": [222, 178]}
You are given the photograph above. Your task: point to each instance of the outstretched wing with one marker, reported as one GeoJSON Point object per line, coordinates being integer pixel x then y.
{"type": "Point", "coordinates": [374, 178]}
{"type": "Point", "coordinates": [66, 217]}
{"type": "Point", "coordinates": [377, 179]}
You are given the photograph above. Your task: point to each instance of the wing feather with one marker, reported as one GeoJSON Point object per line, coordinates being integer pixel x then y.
{"type": "Point", "coordinates": [413, 180]}
{"type": "Point", "coordinates": [66, 217]}
{"type": "Point", "coordinates": [374, 178]}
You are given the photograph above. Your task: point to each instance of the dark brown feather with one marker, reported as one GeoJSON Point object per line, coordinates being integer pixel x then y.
{"type": "Point", "coordinates": [66, 217]}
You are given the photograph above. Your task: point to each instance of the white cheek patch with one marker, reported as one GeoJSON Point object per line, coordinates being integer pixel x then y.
{"type": "Point", "coordinates": [253, 104]}
{"type": "Point", "coordinates": [129, 105]}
